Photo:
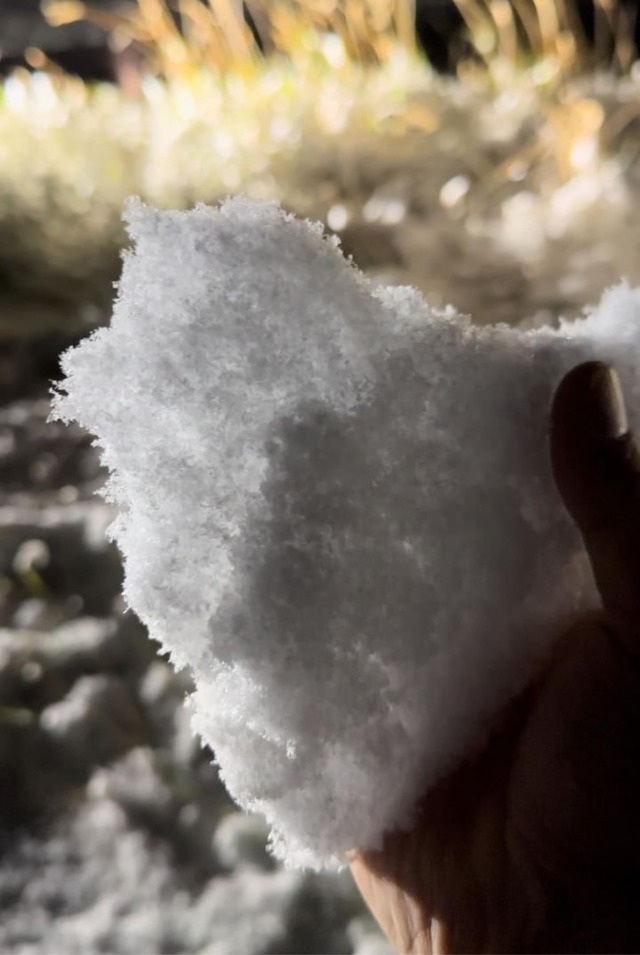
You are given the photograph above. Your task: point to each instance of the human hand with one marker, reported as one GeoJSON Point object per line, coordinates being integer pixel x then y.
{"type": "Point", "coordinates": [534, 846]}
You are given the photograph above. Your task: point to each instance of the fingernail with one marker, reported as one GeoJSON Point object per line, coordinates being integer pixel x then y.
{"type": "Point", "coordinates": [607, 414]}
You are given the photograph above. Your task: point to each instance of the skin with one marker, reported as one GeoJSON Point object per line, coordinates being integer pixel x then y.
{"type": "Point", "coordinates": [534, 846]}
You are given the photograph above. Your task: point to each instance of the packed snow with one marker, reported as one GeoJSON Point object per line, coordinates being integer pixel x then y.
{"type": "Point", "coordinates": [336, 508]}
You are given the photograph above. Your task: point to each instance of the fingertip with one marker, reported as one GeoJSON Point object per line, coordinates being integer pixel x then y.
{"type": "Point", "coordinates": [596, 467]}
{"type": "Point", "coordinates": [589, 401]}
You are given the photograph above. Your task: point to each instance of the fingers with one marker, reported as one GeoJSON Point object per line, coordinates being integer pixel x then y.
{"type": "Point", "coordinates": [596, 466]}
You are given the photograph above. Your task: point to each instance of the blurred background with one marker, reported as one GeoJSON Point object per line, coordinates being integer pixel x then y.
{"type": "Point", "coordinates": [485, 151]}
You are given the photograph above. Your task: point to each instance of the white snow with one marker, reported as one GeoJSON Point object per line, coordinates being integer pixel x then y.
{"type": "Point", "coordinates": [336, 508]}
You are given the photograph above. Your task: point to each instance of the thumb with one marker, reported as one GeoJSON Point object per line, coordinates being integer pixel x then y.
{"type": "Point", "coordinates": [596, 467]}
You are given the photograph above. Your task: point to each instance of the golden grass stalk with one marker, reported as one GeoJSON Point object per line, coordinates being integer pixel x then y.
{"type": "Point", "coordinates": [215, 36]}
{"type": "Point", "coordinates": [216, 39]}
{"type": "Point", "coordinates": [526, 32]}
{"type": "Point", "coordinates": [196, 35]}
{"type": "Point", "coordinates": [60, 12]}
{"type": "Point", "coordinates": [501, 13]}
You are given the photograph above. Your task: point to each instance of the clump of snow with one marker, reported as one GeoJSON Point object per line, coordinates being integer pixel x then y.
{"type": "Point", "coordinates": [336, 508]}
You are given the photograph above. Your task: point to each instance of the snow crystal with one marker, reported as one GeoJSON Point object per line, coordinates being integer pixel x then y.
{"type": "Point", "coordinates": [336, 508]}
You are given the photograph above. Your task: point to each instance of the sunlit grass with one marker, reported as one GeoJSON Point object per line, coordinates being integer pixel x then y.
{"type": "Point", "coordinates": [338, 104]}
{"type": "Point", "coordinates": [182, 38]}
{"type": "Point", "coordinates": [546, 38]}
{"type": "Point", "coordinates": [190, 139]}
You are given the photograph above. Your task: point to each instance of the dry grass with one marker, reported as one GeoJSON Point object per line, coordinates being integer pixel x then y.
{"type": "Point", "coordinates": [547, 36]}
{"type": "Point", "coordinates": [340, 104]}
{"type": "Point", "coordinates": [181, 37]}
{"type": "Point", "coordinates": [534, 46]}
{"type": "Point", "coordinates": [193, 35]}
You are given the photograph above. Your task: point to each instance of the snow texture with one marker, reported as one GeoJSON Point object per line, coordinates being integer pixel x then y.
{"type": "Point", "coordinates": [336, 508]}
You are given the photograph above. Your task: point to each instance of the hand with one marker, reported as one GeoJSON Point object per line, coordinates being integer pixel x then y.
{"type": "Point", "coordinates": [535, 845]}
